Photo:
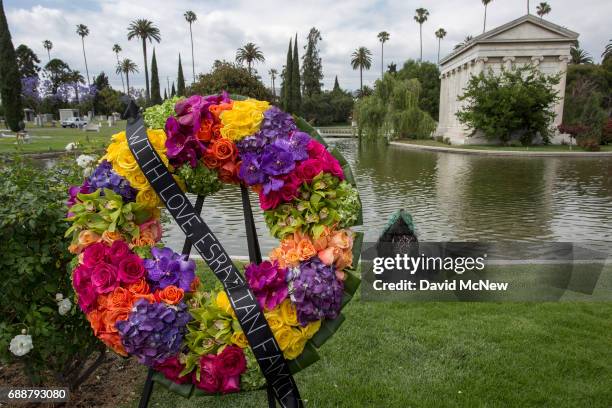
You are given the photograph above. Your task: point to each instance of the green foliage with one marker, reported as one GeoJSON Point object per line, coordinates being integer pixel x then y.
{"type": "Point", "coordinates": [155, 90]}
{"type": "Point", "coordinates": [515, 101]}
{"type": "Point", "coordinates": [296, 84]}
{"type": "Point", "coordinates": [201, 180]}
{"type": "Point", "coordinates": [285, 96]}
{"type": "Point", "coordinates": [312, 68]}
{"type": "Point", "coordinates": [10, 81]}
{"type": "Point", "coordinates": [155, 116]}
{"type": "Point", "coordinates": [327, 108]}
{"type": "Point", "coordinates": [27, 61]}
{"type": "Point", "coordinates": [180, 80]}
{"type": "Point", "coordinates": [33, 268]}
{"type": "Point", "coordinates": [428, 75]}
{"type": "Point", "coordinates": [232, 78]}
{"type": "Point", "coordinates": [393, 110]}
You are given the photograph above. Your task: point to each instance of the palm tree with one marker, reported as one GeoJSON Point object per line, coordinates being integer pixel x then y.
{"type": "Point", "coordinates": [360, 59]}
{"type": "Point", "coordinates": [607, 51]}
{"type": "Point", "coordinates": [383, 37]}
{"type": "Point", "coordinates": [83, 31]}
{"type": "Point", "coordinates": [273, 72]}
{"type": "Point", "coordinates": [145, 30]}
{"type": "Point", "coordinates": [528, 7]}
{"type": "Point", "coordinates": [127, 66]}
{"type": "Point", "coordinates": [421, 17]}
{"type": "Point", "coordinates": [484, 25]}
{"type": "Point", "coordinates": [75, 78]}
{"type": "Point", "coordinates": [440, 34]}
{"type": "Point", "coordinates": [580, 56]}
{"type": "Point", "coordinates": [249, 53]}
{"type": "Point", "coordinates": [191, 17]}
{"type": "Point", "coordinates": [47, 44]}
{"type": "Point", "coordinates": [543, 9]}
{"type": "Point", "coordinates": [117, 50]}
{"type": "Point", "coordinates": [467, 39]}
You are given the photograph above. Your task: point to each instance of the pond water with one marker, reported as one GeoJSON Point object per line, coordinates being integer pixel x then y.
{"type": "Point", "coordinates": [454, 197]}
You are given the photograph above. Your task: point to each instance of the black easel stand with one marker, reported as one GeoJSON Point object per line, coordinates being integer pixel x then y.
{"type": "Point", "coordinates": [254, 257]}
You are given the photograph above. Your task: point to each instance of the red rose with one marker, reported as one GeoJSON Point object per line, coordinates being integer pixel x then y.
{"type": "Point", "coordinates": [117, 251]}
{"type": "Point", "coordinates": [209, 379]}
{"type": "Point", "coordinates": [316, 150]}
{"type": "Point", "coordinates": [309, 169]}
{"type": "Point", "coordinates": [269, 201]}
{"type": "Point", "coordinates": [231, 361]}
{"type": "Point", "coordinates": [131, 269]}
{"type": "Point", "coordinates": [94, 254]}
{"type": "Point", "coordinates": [172, 368]}
{"type": "Point", "coordinates": [104, 278]}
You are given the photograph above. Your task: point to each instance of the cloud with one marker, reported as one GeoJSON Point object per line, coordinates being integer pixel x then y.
{"type": "Point", "coordinates": [221, 29]}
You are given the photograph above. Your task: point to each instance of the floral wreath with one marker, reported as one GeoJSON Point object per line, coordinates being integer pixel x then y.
{"type": "Point", "coordinates": [143, 299]}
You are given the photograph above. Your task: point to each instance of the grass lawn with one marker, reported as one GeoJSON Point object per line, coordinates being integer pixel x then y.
{"type": "Point", "coordinates": [59, 137]}
{"type": "Point", "coordinates": [549, 148]}
{"type": "Point", "coordinates": [452, 354]}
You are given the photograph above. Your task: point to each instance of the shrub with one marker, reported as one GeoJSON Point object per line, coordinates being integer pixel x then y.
{"type": "Point", "coordinates": [428, 75]}
{"type": "Point", "coordinates": [518, 100]}
{"type": "Point", "coordinates": [33, 269]}
{"type": "Point", "coordinates": [590, 145]}
{"type": "Point", "coordinates": [327, 108]}
{"type": "Point", "coordinates": [233, 78]}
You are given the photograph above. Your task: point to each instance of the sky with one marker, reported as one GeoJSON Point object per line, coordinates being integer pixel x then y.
{"type": "Point", "coordinates": [224, 26]}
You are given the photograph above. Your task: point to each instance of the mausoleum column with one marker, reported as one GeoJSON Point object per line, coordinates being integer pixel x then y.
{"type": "Point", "coordinates": [480, 64]}
{"type": "Point", "coordinates": [507, 62]}
{"type": "Point", "coordinates": [563, 61]}
{"type": "Point", "coordinates": [535, 61]}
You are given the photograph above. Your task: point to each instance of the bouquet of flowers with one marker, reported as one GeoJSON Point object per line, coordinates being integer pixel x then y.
{"type": "Point", "coordinates": [143, 299]}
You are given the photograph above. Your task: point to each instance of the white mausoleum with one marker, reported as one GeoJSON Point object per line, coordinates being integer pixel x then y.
{"type": "Point", "coordinates": [526, 40]}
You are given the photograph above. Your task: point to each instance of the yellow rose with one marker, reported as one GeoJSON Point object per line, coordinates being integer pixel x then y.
{"type": "Point", "coordinates": [157, 137]}
{"type": "Point", "coordinates": [224, 304]}
{"type": "Point", "coordinates": [125, 160]}
{"type": "Point", "coordinates": [138, 180]}
{"type": "Point", "coordinates": [297, 345]}
{"type": "Point", "coordinates": [310, 329]}
{"type": "Point", "coordinates": [288, 313]}
{"type": "Point", "coordinates": [243, 119]}
{"type": "Point", "coordinates": [284, 336]}
{"type": "Point", "coordinates": [274, 319]}
{"type": "Point", "coordinates": [239, 339]}
{"type": "Point", "coordinates": [148, 197]}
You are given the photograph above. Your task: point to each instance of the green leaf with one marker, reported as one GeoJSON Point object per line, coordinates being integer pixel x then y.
{"type": "Point", "coordinates": [327, 330]}
{"type": "Point", "coordinates": [308, 357]}
{"type": "Point", "coordinates": [183, 390]}
{"type": "Point", "coordinates": [357, 244]}
{"type": "Point", "coordinates": [351, 283]}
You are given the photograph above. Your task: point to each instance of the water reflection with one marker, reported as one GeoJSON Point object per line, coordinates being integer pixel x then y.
{"type": "Point", "coordinates": [455, 197]}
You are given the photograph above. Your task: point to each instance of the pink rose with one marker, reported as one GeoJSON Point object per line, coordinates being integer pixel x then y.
{"type": "Point", "coordinates": [94, 254]}
{"type": "Point", "coordinates": [151, 228]}
{"type": "Point", "coordinates": [316, 150]}
{"type": "Point", "coordinates": [118, 251]}
{"type": "Point", "coordinates": [172, 368]}
{"type": "Point", "coordinates": [269, 201]}
{"type": "Point", "coordinates": [332, 166]}
{"type": "Point", "coordinates": [209, 380]}
{"type": "Point", "coordinates": [327, 255]}
{"type": "Point", "coordinates": [104, 278]}
{"type": "Point", "coordinates": [231, 362]}
{"type": "Point", "coordinates": [81, 281]}
{"type": "Point", "coordinates": [131, 269]}
{"type": "Point", "coordinates": [309, 169]}
{"type": "Point", "coordinates": [230, 384]}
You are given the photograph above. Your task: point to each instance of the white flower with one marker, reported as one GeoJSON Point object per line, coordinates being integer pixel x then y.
{"type": "Point", "coordinates": [58, 296]}
{"type": "Point", "coordinates": [85, 160]}
{"type": "Point", "coordinates": [71, 146]}
{"type": "Point", "coordinates": [21, 345]}
{"type": "Point", "coordinates": [64, 306]}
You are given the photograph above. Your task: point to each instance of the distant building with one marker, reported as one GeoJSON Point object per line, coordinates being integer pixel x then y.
{"type": "Point", "coordinates": [68, 113]}
{"type": "Point", "coordinates": [526, 40]}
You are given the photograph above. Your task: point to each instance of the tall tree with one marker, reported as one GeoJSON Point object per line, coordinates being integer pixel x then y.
{"type": "Point", "coordinates": [145, 30]}
{"type": "Point", "coordinates": [48, 45]}
{"type": "Point", "coordinates": [336, 85]}
{"type": "Point", "coordinates": [273, 72]}
{"type": "Point", "coordinates": [75, 79]}
{"type": "Point", "coordinates": [312, 67]}
{"type": "Point", "coordinates": [27, 61]}
{"type": "Point", "coordinates": [180, 79]}
{"type": "Point", "coordinates": [101, 81]}
{"type": "Point", "coordinates": [286, 76]}
{"type": "Point", "coordinates": [484, 24]}
{"type": "Point", "coordinates": [361, 59]}
{"type": "Point", "coordinates": [191, 18]}
{"type": "Point", "coordinates": [528, 8]}
{"type": "Point", "coordinates": [10, 82]}
{"type": "Point", "coordinates": [249, 53]}
{"type": "Point", "coordinates": [173, 91]}
{"type": "Point", "coordinates": [155, 89]}
{"type": "Point", "coordinates": [607, 51]}
{"type": "Point", "coordinates": [127, 66]}
{"type": "Point", "coordinates": [296, 83]}
{"type": "Point", "coordinates": [383, 37]}
{"type": "Point", "coordinates": [58, 72]}
{"type": "Point", "coordinates": [117, 50]}
{"type": "Point", "coordinates": [440, 34]}
{"type": "Point", "coordinates": [580, 56]}
{"type": "Point", "coordinates": [421, 17]}
{"type": "Point", "coordinates": [83, 31]}
{"type": "Point", "coordinates": [392, 68]}
{"type": "Point", "coordinates": [165, 94]}
{"type": "Point", "coordinates": [543, 9]}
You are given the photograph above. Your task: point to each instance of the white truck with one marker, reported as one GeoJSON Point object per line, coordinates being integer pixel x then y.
{"type": "Point", "coordinates": [74, 122]}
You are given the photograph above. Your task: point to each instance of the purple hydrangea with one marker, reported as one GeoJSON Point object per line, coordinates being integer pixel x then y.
{"type": "Point", "coordinates": [315, 291]}
{"type": "Point", "coordinates": [154, 331]}
{"type": "Point", "coordinates": [169, 268]}
{"type": "Point", "coordinates": [105, 177]}
{"type": "Point", "coordinates": [276, 124]}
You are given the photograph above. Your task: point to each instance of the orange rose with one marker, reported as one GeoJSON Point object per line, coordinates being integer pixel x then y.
{"type": "Point", "coordinates": [341, 239]}
{"type": "Point", "coordinates": [87, 237]}
{"type": "Point", "coordinates": [305, 249]}
{"type": "Point", "coordinates": [292, 257]}
{"type": "Point", "coordinates": [345, 260]}
{"type": "Point", "coordinates": [228, 173]}
{"type": "Point", "coordinates": [327, 256]}
{"type": "Point", "coordinates": [218, 109]}
{"type": "Point", "coordinates": [120, 298]}
{"type": "Point", "coordinates": [149, 297]}
{"type": "Point", "coordinates": [139, 288]}
{"type": "Point", "coordinates": [210, 161]}
{"type": "Point", "coordinates": [205, 133]}
{"type": "Point", "coordinates": [223, 149]}
{"type": "Point", "coordinates": [142, 241]}
{"type": "Point", "coordinates": [113, 340]}
{"type": "Point", "coordinates": [110, 237]}
{"type": "Point", "coordinates": [216, 130]}
{"type": "Point", "coordinates": [195, 283]}
{"type": "Point", "coordinates": [112, 316]}
{"type": "Point", "coordinates": [171, 295]}
{"type": "Point", "coordinates": [95, 320]}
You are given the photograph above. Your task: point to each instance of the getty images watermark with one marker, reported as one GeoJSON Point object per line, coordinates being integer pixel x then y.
{"type": "Point", "coordinates": [468, 271]}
